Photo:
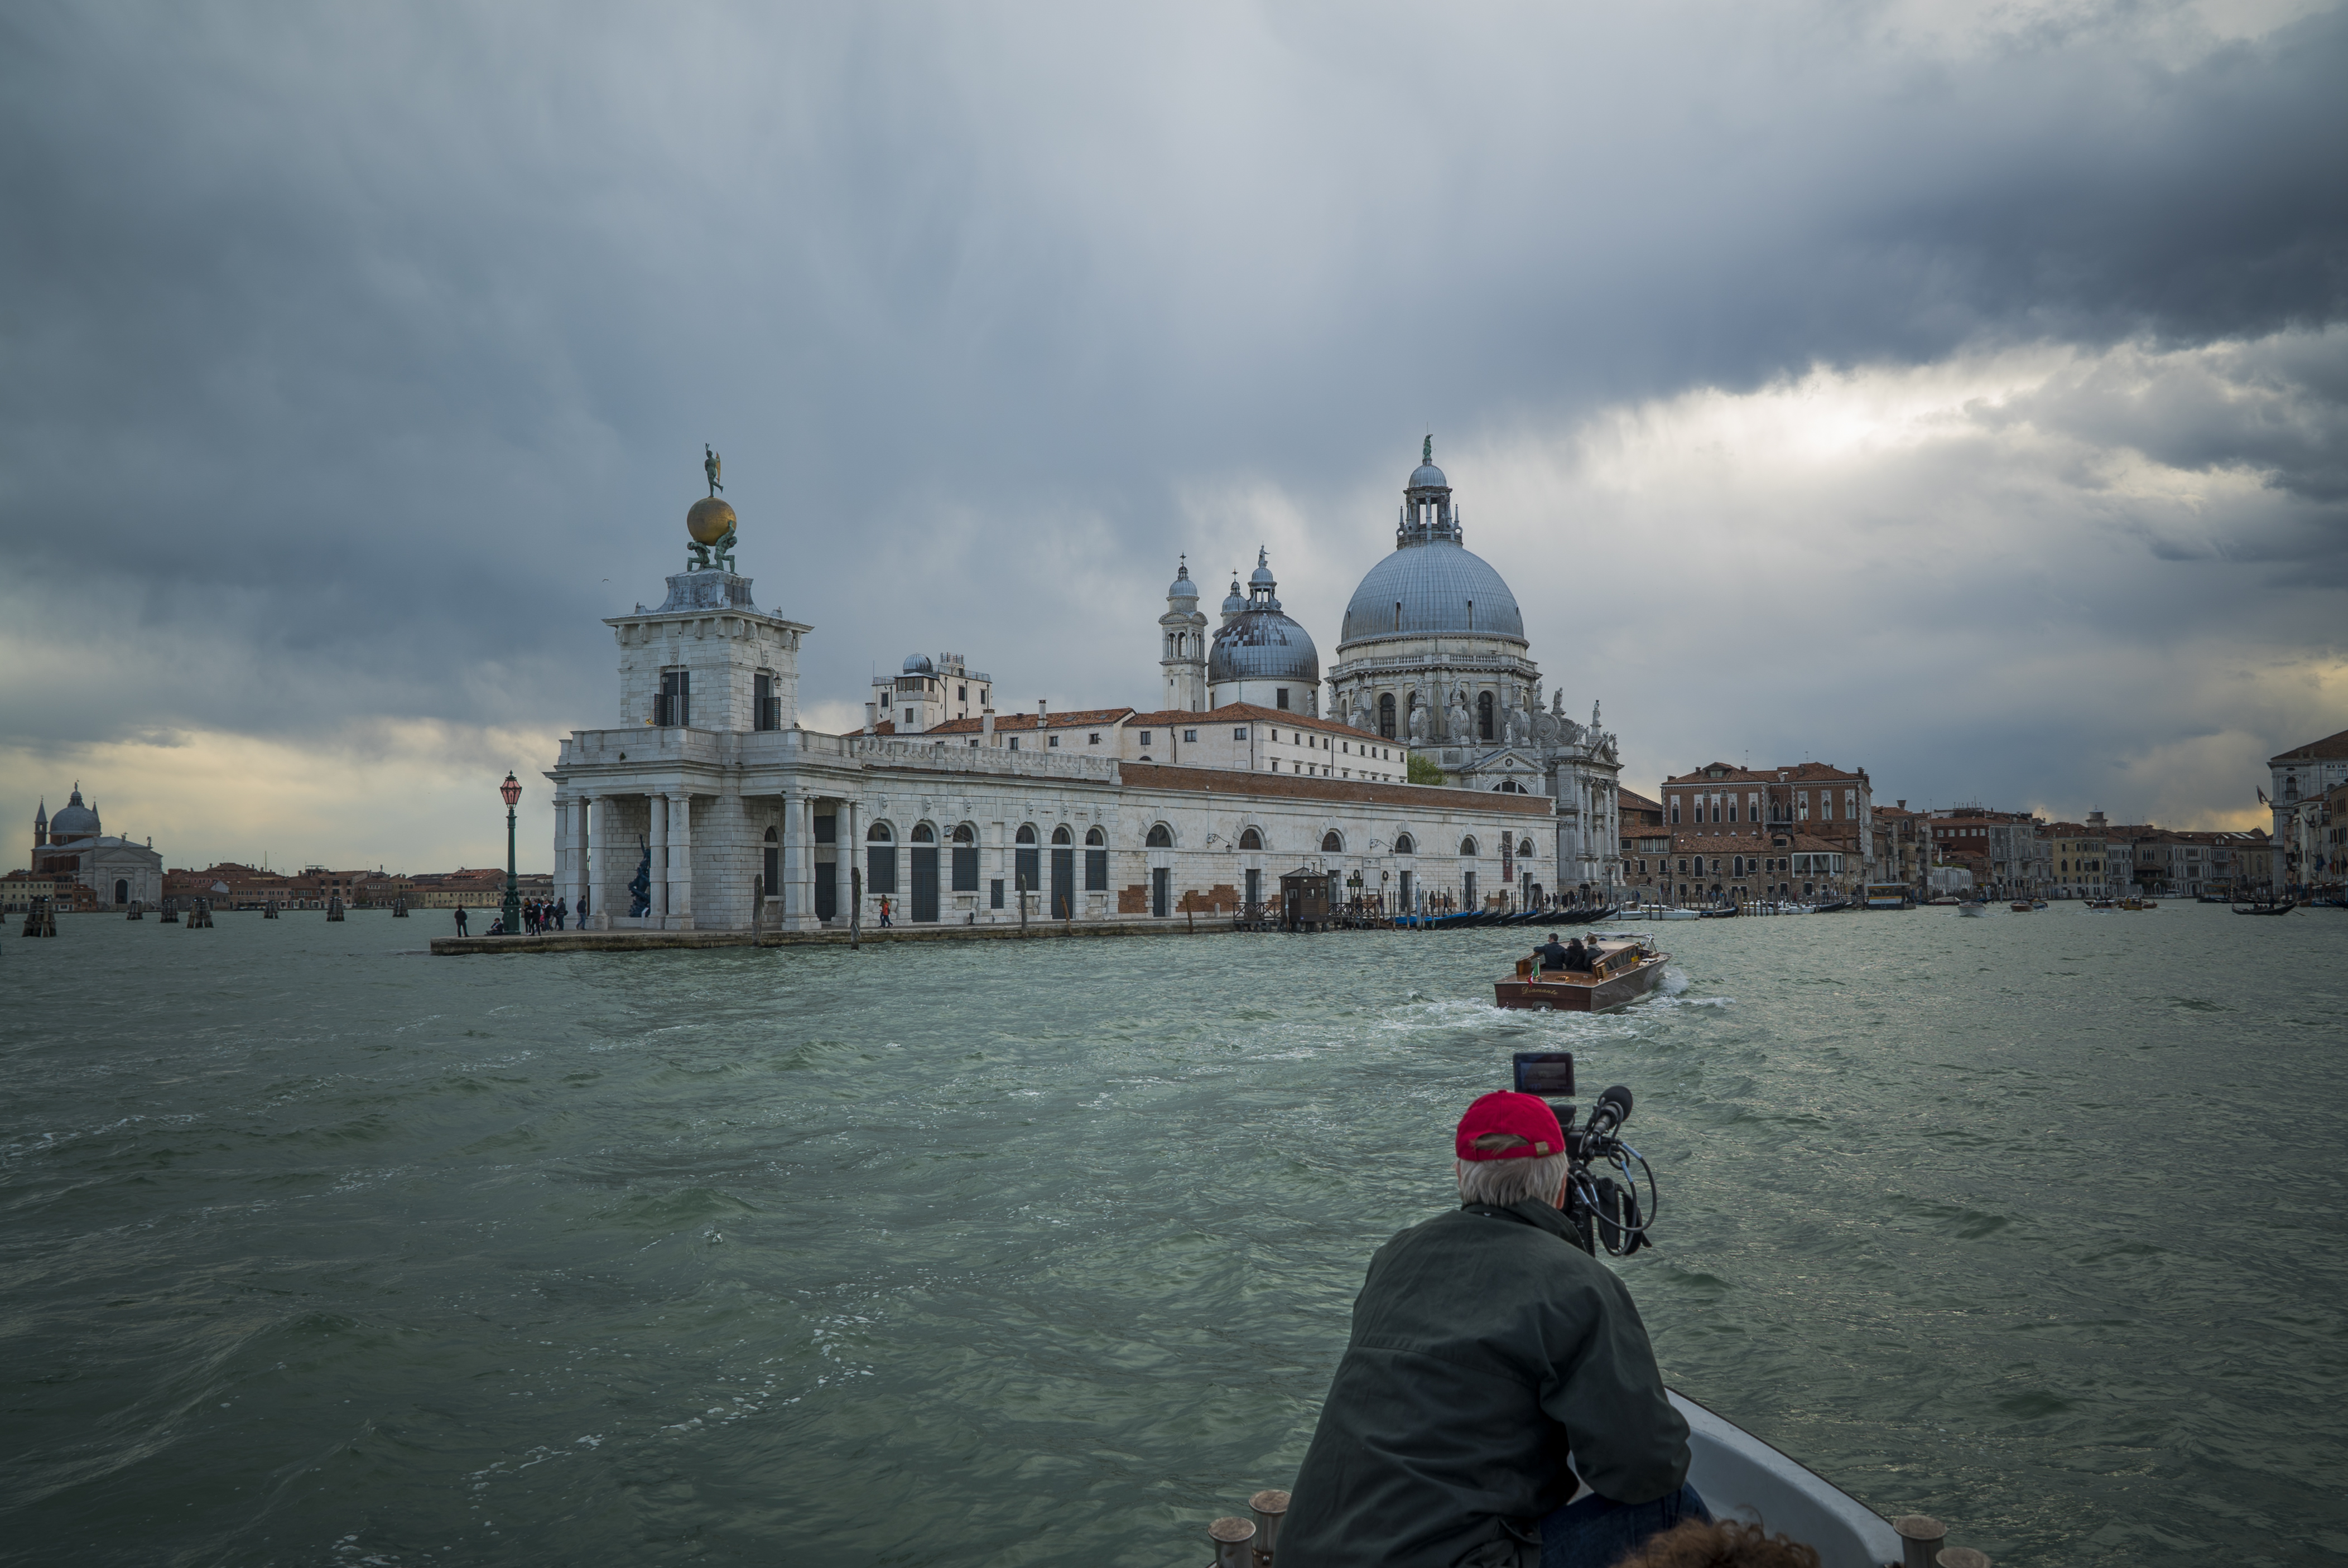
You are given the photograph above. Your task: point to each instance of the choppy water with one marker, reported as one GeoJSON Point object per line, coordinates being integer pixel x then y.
{"type": "Point", "coordinates": [317, 1252]}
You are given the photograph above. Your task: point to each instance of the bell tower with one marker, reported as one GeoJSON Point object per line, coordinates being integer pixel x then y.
{"type": "Point", "coordinates": [1182, 644]}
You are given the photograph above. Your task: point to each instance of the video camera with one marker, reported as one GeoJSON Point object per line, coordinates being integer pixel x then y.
{"type": "Point", "coordinates": [1602, 1211]}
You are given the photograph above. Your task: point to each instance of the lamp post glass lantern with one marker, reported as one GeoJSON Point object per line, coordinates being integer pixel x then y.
{"type": "Point", "coordinates": [511, 790]}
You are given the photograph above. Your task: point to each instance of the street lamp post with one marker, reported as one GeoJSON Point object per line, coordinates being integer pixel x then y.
{"type": "Point", "coordinates": [512, 913]}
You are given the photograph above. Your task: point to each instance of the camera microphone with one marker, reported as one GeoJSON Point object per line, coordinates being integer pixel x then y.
{"type": "Point", "coordinates": [1613, 1109]}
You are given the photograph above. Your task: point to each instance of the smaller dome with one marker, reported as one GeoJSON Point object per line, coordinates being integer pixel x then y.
{"type": "Point", "coordinates": [1237, 601]}
{"type": "Point", "coordinates": [919, 664]}
{"type": "Point", "coordinates": [710, 521]}
{"type": "Point", "coordinates": [1427, 477]}
{"type": "Point", "coordinates": [1182, 587]}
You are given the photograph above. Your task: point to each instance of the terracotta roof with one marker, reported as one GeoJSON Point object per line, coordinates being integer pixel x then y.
{"type": "Point", "coordinates": [2331, 748]}
{"type": "Point", "coordinates": [1632, 799]}
{"type": "Point", "coordinates": [1355, 792]}
{"type": "Point", "coordinates": [1797, 773]}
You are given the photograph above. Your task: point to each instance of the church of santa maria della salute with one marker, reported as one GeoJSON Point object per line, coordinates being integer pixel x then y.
{"type": "Point", "coordinates": [706, 805]}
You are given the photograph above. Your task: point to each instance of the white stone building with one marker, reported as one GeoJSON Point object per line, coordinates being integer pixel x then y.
{"type": "Point", "coordinates": [706, 796]}
{"type": "Point", "coordinates": [1433, 653]}
{"type": "Point", "coordinates": [73, 846]}
{"type": "Point", "coordinates": [2298, 780]}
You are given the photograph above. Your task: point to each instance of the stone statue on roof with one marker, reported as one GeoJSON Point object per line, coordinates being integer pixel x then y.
{"type": "Point", "coordinates": [714, 466]}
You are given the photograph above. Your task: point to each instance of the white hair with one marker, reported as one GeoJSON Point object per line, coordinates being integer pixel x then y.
{"type": "Point", "coordinates": [1504, 1182]}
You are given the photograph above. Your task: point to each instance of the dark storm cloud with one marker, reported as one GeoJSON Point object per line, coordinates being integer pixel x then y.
{"type": "Point", "coordinates": [351, 352]}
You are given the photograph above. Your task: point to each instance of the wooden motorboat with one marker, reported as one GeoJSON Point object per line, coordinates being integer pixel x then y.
{"type": "Point", "coordinates": [1627, 969]}
{"type": "Point", "coordinates": [2022, 905]}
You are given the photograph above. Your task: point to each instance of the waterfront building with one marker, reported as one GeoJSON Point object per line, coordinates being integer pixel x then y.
{"type": "Point", "coordinates": [706, 804]}
{"type": "Point", "coordinates": [2003, 849]}
{"type": "Point", "coordinates": [2296, 783]}
{"type": "Point", "coordinates": [2077, 854]}
{"type": "Point", "coordinates": [1903, 845]}
{"type": "Point", "coordinates": [74, 846]}
{"type": "Point", "coordinates": [1433, 654]}
{"type": "Point", "coordinates": [1801, 831]}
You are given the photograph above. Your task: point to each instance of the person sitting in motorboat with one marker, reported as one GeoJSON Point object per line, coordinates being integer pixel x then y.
{"type": "Point", "coordinates": [1576, 956]}
{"type": "Point", "coordinates": [1554, 957]}
{"type": "Point", "coordinates": [1488, 1350]}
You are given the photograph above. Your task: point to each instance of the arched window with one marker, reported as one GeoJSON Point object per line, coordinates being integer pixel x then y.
{"type": "Point", "coordinates": [925, 833]}
{"type": "Point", "coordinates": [121, 890]}
{"type": "Point", "coordinates": [1161, 837]}
{"type": "Point", "coordinates": [1095, 838]}
{"type": "Point", "coordinates": [1386, 716]}
{"type": "Point", "coordinates": [1524, 849]}
{"type": "Point", "coordinates": [1467, 846]}
{"type": "Point", "coordinates": [1027, 834]}
{"type": "Point", "coordinates": [1250, 839]}
{"type": "Point", "coordinates": [1509, 786]}
{"type": "Point", "coordinates": [1406, 844]}
{"type": "Point", "coordinates": [1062, 835]}
{"type": "Point", "coordinates": [1332, 842]}
{"type": "Point", "coordinates": [770, 836]}
{"type": "Point", "coordinates": [878, 833]}
{"type": "Point", "coordinates": [965, 833]}
{"type": "Point", "coordinates": [1484, 715]}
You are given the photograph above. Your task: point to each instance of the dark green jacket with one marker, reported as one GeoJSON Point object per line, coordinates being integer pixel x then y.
{"type": "Point", "coordinates": [1486, 1347]}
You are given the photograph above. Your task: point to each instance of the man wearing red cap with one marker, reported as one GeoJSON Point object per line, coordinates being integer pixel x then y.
{"type": "Point", "coordinates": [1487, 1348]}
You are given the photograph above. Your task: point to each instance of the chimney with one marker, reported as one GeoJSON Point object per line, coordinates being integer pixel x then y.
{"type": "Point", "coordinates": [1903, 805]}
{"type": "Point", "coordinates": [986, 725]}
{"type": "Point", "coordinates": [871, 718]}
{"type": "Point", "coordinates": [1042, 712]}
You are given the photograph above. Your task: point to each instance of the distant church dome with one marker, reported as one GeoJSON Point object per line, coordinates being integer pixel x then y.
{"type": "Point", "coordinates": [1182, 587]}
{"type": "Point", "coordinates": [1258, 642]}
{"type": "Point", "coordinates": [919, 664]}
{"type": "Point", "coordinates": [1431, 585]}
{"type": "Point", "coordinates": [74, 820]}
{"type": "Point", "coordinates": [1235, 601]}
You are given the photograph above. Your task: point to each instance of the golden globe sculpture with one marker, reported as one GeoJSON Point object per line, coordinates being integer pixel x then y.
{"type": "Point", "coordinates": [709, 520]}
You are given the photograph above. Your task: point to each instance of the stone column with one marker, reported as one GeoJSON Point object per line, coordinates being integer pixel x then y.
{"type": "Point", "coordinates": [797, 891]}
{"type": "Point", "coordinates": [680, 863]}
{"type": "Point", "coordinates": [601, 877]}
{"type": "Point", "coordinates": [657, 812]}
{"type": "Point", "coordinates": [851, 859]}
{"type": "Point", "coordinates": [575, 828]}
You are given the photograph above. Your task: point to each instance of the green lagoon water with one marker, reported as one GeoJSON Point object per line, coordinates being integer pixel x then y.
{"type": "Point", "coordinates": [318, 1251]}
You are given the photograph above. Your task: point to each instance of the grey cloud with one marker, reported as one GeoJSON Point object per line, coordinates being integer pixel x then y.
{"type": "Point", "coordinates": [350, 353]}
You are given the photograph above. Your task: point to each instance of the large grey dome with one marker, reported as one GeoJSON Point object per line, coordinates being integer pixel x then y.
{"type": "Point", "coordinates": [74, 820]}
{"type": "Point", "coordinates": [1263, 645]}
{"type": "Point", "coordinates": [1440, 588]}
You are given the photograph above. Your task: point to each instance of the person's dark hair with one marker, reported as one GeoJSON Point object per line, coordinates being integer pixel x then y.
{"type": "Point", "coordinates": [1720, 1544]}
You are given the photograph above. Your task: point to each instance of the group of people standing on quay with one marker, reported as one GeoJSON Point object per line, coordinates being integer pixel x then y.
{"type": "Point", "coordinates": [539, 915]}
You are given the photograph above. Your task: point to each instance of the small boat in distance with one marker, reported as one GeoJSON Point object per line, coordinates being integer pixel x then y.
{"type": "Point", "coordinates": [1627, 968]}
{"type": "Point", "coordinates": [2285, 907]}
{"type": "Point", "coordinates": [2023, 905]}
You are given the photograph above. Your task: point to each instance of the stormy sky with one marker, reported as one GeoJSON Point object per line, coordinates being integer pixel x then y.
{"type": "Point", "coordinates": [1954, 390]}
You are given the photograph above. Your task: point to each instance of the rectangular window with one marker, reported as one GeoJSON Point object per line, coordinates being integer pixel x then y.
{"type": "Point", "coordinates": [1239, 734]}
{"type": "Point", "coordinates": [827, 830]}
{"type": "Point", "coordinates": [994, 893]}
{"type": "Point", "coordinates": [676, 706]}
{"type": "Point", "coordinates": [1053, 741]}
{"type": "Point", "coordinates": [1096, 870]}
{"type": "Point", "coordinates": [881, 868]}
{"type": "Point", "coordinates": [1145, 737]}
{"type": "Point", "coordinates": [962, 694]}
{"type": "Point", "coordinates": [766, 712]}
{"type": "Point", "coordinates": [966, 868]}
{"type": "Point", "coordinates": [1014, 743]}
{"type": "Point", "coordinates": [1191, 735]}
{"type": "Point", "coordinates": [1093, 740]}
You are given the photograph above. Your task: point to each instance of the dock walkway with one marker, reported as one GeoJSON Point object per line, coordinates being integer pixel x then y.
{"type": "Point", "coordinates": [643, 941]}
